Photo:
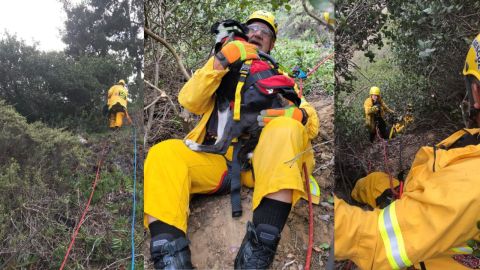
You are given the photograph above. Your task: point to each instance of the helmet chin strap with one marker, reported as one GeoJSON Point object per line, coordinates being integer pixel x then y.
{"type": "Point", "coordinates": [469, 112]}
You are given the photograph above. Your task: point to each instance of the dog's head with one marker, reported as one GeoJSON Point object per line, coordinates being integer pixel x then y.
{"type": "Point", "coordinates": [228, 29]}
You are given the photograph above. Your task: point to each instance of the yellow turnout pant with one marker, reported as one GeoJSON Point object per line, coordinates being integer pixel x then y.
{"type": "Point", "coordinates": [173, 172]}
{"type": "Point", "coordinates": [116, 119]}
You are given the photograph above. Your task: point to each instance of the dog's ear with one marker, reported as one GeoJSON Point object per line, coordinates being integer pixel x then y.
{"type": "Point", "coordinates": [214, 28]}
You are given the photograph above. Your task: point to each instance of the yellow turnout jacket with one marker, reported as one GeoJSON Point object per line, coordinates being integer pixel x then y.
{"type": "Point", "coordinates": [117, 94]}
{"type": "Point", "coordinates": [433, 220]}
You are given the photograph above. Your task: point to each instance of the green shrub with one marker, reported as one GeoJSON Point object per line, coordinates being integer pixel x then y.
{"type": "Point", "coordinates": [45, 179]}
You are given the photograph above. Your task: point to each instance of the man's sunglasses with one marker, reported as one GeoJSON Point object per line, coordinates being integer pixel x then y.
{"type": "Point", "coordinates": [263, 31]}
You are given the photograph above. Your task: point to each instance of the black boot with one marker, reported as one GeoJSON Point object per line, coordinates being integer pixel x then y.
{"type": "Point", "coordinates": [258, 247]}
{"type": "Point", "coordinates": [170, 254]}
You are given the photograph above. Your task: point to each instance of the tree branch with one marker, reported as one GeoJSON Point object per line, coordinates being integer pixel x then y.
{"type": "Point", "coordinates": [314, 16]}
{"type": "Point", "coordinates": [170, 48]}
{"type": "Point", "coordinates": [163, 94]}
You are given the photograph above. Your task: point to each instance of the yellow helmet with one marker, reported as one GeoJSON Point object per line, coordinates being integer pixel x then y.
{"type": "Point", "coordinates": [375, 91]}
{"type": "Point", "coordinates": [122, 82]}
{"type": "Point", "coordinates": [266, 17]}
{"type": "Point", "coordinates": [471, 68]}
{"type": "Point", "coordinates": [473, 58]}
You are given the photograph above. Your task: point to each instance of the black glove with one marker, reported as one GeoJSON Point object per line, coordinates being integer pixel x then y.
{"type": "Point", "coordinates": [386, 198]}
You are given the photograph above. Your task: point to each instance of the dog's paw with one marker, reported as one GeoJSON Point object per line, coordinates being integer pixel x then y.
{"type": "Point", "coordinates": [192, 145]}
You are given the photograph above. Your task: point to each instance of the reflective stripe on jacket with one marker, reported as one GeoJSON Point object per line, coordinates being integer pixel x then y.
{"type": "Point", "coordinates": [433, 220]}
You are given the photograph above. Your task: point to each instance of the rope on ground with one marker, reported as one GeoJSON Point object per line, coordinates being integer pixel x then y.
{"type": "Point", "coordinates": [134, 193]}
{"type": "Point", "coordinates": [82, 218]}
{"type": "Point", "coordinates": [386, 162]}
{"type": "Point", "coordinates": [310, 219]}
{"type": "Point", "coordinates": [307, 182]}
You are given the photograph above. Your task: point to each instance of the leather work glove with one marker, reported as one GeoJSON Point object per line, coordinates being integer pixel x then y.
{"type": "Point", "coordinates": [298, 114]}
{"type": "Point", "coordinates": [235, 51]}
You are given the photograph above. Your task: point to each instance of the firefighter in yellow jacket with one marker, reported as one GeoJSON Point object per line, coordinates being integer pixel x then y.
{"type": "Point", "coordinates": [429, 226]}
{"type": "Point", "coordinates": [173, 172]}
{"type": "Point", "coordinates": [375, 109]}
{"type": "Point", "coordinates": [117, 105]}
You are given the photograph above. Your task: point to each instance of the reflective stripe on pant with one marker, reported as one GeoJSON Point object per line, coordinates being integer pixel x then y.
{"type": "Point", "coordinates": [173, 171]}
{"type": "Point", "coordinates": [116, 119]}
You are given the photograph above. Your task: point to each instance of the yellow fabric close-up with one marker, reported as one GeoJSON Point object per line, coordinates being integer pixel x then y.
{"type": "Point", "coordinates": [422, 225]}
{"type": "Point", "coordinates": [370, 110]}
{"type": "Point", "coordinates": [195, 172]}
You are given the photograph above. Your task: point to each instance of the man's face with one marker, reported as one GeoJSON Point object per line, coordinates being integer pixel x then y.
{"type": "Point", "coordinates": [374, 97]}
{"type": "Point", "coordinates": [476, 101]}
{"type": "Point", "coordinates": [260, 35]}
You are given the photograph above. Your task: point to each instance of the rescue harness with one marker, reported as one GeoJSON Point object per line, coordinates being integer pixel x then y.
{"type": "Point", "coordinates": [241, 86]}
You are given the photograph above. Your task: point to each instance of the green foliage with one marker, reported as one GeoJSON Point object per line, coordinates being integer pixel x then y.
{"type": "Point", "coordinates": [55, 89]}
{"type": "Point", "coordinates": [424, 46]}
{"type": "Point", "coordinates": [398, 89]}
{"type": "Point", "coordinates": [428, 38]}
{"type": "Point", "coordinates": [306, 55]}
{"type": "Point", "coordinates": [45, 180]}
{"type": "Point", "coordinates": [99, 28]}
{"type": "Point", "coordinates": [431, 38]}
{"type": "Point", "coordinates": [358, 28]}
{"type": "Point", "coordinates": [303, 43]}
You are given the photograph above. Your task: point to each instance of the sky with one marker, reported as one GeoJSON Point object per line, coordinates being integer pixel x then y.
{"type": "Point", "coordinates": [34, 20]}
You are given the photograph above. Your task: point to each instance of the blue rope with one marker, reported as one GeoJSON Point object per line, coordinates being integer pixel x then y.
{"type": "Point", "coordinates": [134, 194]}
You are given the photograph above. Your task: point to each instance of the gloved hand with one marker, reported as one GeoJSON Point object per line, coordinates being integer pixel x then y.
{"type": "Point", "coordinates": [298, 114]}
{"type": "Point", "coordinates": [374, 109]}
{"type": "Point", "coordinates": [386, 198]}
{"type": "Point", "coordinates": [236, 51]}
